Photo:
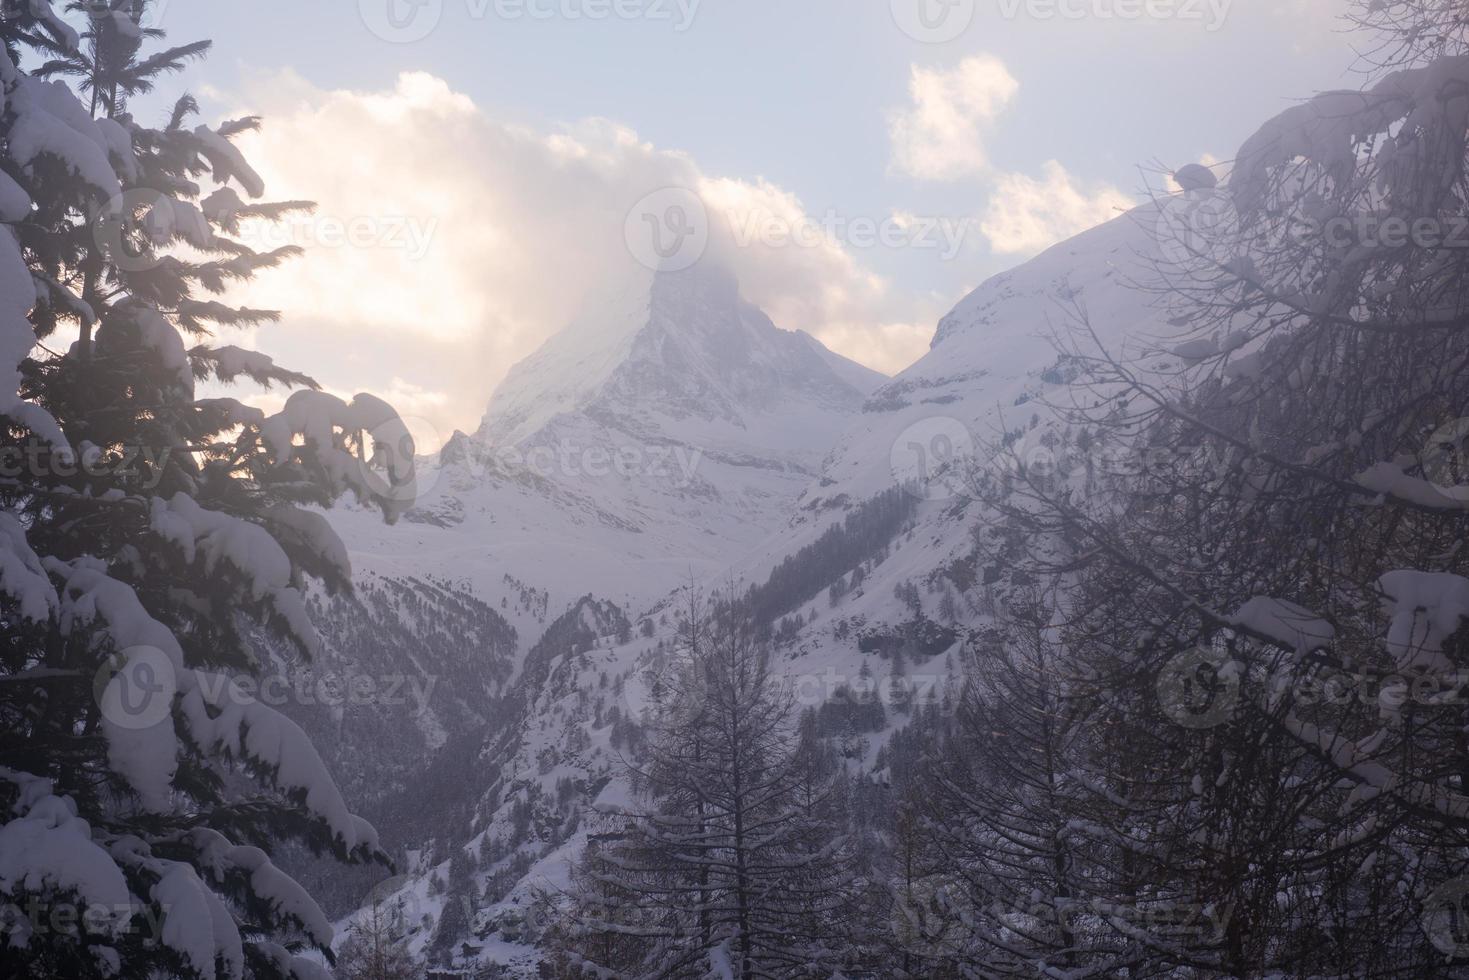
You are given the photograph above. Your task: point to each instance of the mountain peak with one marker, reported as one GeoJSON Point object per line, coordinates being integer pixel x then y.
{"type": "Point", "coordinates": [681, 344]}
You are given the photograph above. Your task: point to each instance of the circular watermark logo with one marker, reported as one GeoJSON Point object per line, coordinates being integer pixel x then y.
{"type": "Point", "coordinates": [675, 692]}
{"type": "Point", "coordinates": [1446, 918]}
{"type": "Point", "coordinates": [390, 470]}
{"type": "Point", "coordinates": [927, 917]}
{"type": "Point", "coordinates": [135, 689]}
{"type": "Point", "coordinates": [401, 21]}
{"type": "Point", "coordinates": [1197, 227]}
{"type": "Point", "coordinates": [1446, 460]}
{"type": "Point", "coordinates": [933, 458]}
{"type": "Point", "coordinates": [133, 228]}
{"type": "Point", "coordinates": [933, 21]}
{"type": "Point", "coordinates": [398, 903]}
{"type": "Point", "coordinates": [1200, 688]}
{"type": "Point", "coordinates": [668, 230]}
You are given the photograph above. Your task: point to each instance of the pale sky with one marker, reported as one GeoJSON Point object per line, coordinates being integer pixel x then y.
{"type": "Point", "coordinates": [864, 163]}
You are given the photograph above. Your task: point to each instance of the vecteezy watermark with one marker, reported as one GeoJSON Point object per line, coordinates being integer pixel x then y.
{"type": "Point", "coordinates": [1446, 461]}
{"type": "Point", "coordinates": [409, 21]}
{"type": "Point", "coordinates": [393, 444]}
{"type": "Point", "coordinates": [401, 21]}
{"type": "Point", "coordinates": [1446, 918]}
{"type": "Point", "coordinates": [945, 235]}
{"type": "Point", "coordinates": [412, 236]}
{"type": "Point", "coordinates": [1389, 231]}
{"type": "Point", "coordinates": [934, 458]}
{"type": "Point", "coordinates": [896, 690]}
{"type": "Point", "coordinates": [1210, 13]}
{"type": "Point", "coordinates": [933, 21]}
{"type": "Point", "coordinates": [1200, 688]}
{"type": "Point", "coordinates": [349, 687]}
{"type": "Point", "coordinates": [20, 923]}
{"type": "Point", "coordinates": [675, 465]}
{"type": "Point", "coordinates": [678, 686]}
{"type": "Point", "coordinates": [388, 466]}
{"type": "Point", "coordinates": [136, 229]}
{"type": "Point", "coordinates": [139, 466]}
{"type": "Point", "coordinates": [1202, 225]}
{"type": "Point", "coordinates": [135, 688]}
{"type": "Point", "coordinates": [1164, 919]}
{"type": "Point", "coordinates": [930, 918]}
{"type": "Point", "coordinates": [673, 690]}
{"type": "Point", "coordinates": [1197, 225]}
{"type": "Point", "coordinates": [668, 230]}
{"type": "Point", "coordinates": [399, 905]}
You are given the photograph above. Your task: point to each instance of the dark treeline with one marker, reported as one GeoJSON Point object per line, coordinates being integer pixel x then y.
{"type": "Point", "coordinates": [865, 532]}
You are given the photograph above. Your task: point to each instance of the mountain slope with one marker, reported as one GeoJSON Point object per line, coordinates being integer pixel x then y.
{"type": "Point", "coordinates": [655, 440]}
{"type": "Point", "coordinates": [872, 595]}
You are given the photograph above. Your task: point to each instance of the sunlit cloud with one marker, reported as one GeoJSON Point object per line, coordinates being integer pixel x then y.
{"type": "Point", "coordinates": [1026, 214]}
{"type": "Point", "coordinates": [941, 134]}
{"type": "Point", "coordinates": [440, 256]}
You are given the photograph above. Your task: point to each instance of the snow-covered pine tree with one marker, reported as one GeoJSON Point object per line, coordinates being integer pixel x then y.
{"type": "Point", "coordinates": [149, 529]}
{"type": "Point", "coordinates": [458, 907]}
{"type": "Point", "coordinates": [734, 867]}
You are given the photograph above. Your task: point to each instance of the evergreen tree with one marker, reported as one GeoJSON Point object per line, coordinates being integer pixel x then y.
{"type": "Point", "coordinates": [736, 864]}
{"type": "Point", "coordinates": [459, 900]}
{"type": "Point", "coordinates": [152, 530]}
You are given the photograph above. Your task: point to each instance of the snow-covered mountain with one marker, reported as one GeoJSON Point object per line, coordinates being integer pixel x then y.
{"type": "Point", "coordinates": [865, 591]}
{"type": "Point", "coordinates": [655, 439]}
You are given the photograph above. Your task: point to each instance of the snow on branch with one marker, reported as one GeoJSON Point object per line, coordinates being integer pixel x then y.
{"type": "Point", "coordinates": [223, 718]}
{"type": "Point", "coordinates": [382, 471]}
{"type": "Point", "coordinates": [65, 35]}
{"type": "Point", "coordinates": [1328, 129]}
{"type": "Point", "coordinates": [146, 757]}
{"type": "Point", "coordinates": [229, 363]}
{"type": "Point", "coordinates": [1390, 480]}
{"type": "Point", "coordinates": [22, 577]}
{"type": "Point", "coordinates": [221, 539]}
{"type": "Point", "coordinates": [49, 848]}
{"type": "Point", "coordinates": [17, 338]}
{"type": "Point", "coordinates": [288, 901]}
{"type": "Point", "coordinates": [1426, 609]}
{"type": "Point", "coordinates": [289, 966]}
{"type": "Point", "coordinates": [49, 121]}
{"type": "Point", "coordinates": [226, 161]}
{"type": "Point", "coordinates": [1286, 623]}
{"type": "Point", "coordinates": [139, 327]}
{"type": "Point", "coordinates": [197, 924]}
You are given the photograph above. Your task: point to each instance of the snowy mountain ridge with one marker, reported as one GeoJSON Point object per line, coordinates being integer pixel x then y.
{"type": "Point", "coordinates": [894, 621]}
{"type": "Point", "coordinates": [654, 440]}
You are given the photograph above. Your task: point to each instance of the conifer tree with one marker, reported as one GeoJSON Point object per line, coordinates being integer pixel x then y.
{"type": "Point", "coordinates": [152, 530]}
{"type": "Point", "coordinates": [735, 864]}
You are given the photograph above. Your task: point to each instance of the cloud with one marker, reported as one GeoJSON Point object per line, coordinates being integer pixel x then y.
{"type": "Point", "coordinates": [1026, 215]}
{"type": "Point", "coordinates": [941, 135]}
{"type": "Point", "coordinates": [449, 244]}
